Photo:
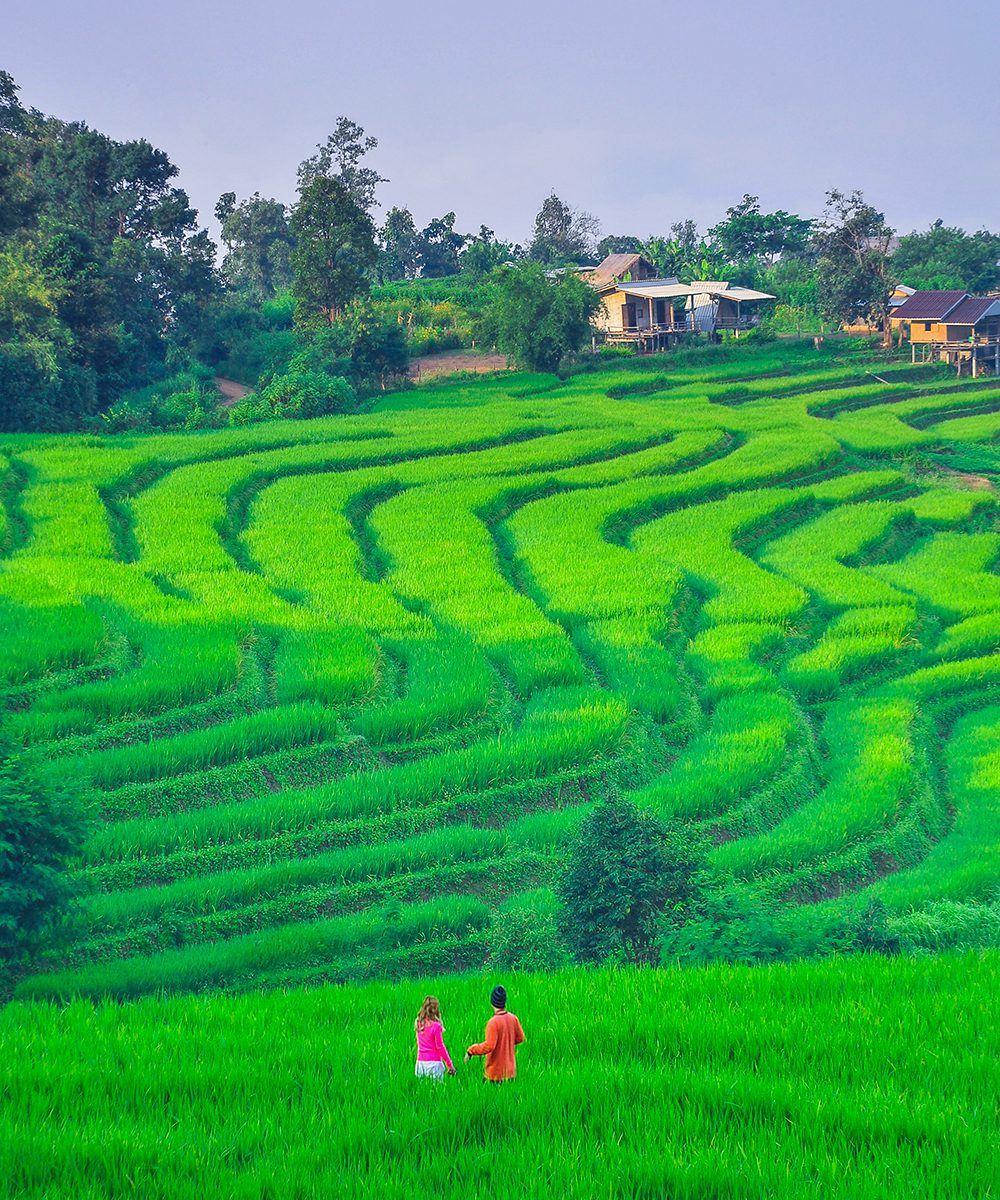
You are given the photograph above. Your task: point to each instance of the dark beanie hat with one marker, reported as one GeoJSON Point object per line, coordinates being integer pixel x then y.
{"type": "Point", "coordinates": [498, 997]}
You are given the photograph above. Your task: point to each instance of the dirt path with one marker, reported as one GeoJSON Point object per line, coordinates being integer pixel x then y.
{"type": "Point", "coordinates": [448, 362]}
{"type": "Point", "coordinates": [968, 481]}
{"type": "Point", "coordinates": [232, 392]}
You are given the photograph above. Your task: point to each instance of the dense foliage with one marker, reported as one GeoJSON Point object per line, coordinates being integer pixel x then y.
{"type": "Point", "coordinates": [538, 320]}
{"type": "Point", "coordinates": [947, 257]}
{"type": "Point", "coordinates": [42, 830]}
{"type": "Point", "coordinates": [104, 274]}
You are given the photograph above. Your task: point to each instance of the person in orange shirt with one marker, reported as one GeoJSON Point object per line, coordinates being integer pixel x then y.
{"type": "Point", "coordinates": [503, 1035]}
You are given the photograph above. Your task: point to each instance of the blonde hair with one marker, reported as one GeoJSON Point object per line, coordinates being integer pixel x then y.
{"type": "Point", "coordinates": [430, 1010]}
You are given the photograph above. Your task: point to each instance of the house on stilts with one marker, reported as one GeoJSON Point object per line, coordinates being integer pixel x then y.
{"type": "Point", "coordinates": [952, 326]}
{"type": "Point", "coordinates": [644, 310]}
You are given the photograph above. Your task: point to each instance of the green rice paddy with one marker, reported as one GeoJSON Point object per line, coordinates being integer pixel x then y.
{"type": "Point", "coordinates": [339, 690]}
{"type": "Point", "coordinates": [309, 673]}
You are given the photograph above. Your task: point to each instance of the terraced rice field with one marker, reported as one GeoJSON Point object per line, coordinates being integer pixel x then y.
{"type": "Point", "coordinates": [341, 690]}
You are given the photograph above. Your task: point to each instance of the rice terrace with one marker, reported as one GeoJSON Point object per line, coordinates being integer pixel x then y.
{"type": "Point", "coordinates": [512, 709]}
{"type": "Point", "coordinates": [341, 696]}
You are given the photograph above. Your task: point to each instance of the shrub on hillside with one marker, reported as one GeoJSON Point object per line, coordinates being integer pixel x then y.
{"type": "Point", "coordinates": [300, 393]}
{"type": "Point", "coordinates": [626, 872]}
{"type": "Point", "coordinates": [42, 828]}
{"type": "Point", "coordinates": [538, 320]}
{"type": "Point", "coordinates": [187, 400]}
{"type": "Point", "coordinates": [525, 935]}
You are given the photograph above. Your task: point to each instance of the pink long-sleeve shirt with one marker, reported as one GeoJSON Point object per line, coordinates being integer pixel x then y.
{"type": "Point", "coordinates": [430, 1045]}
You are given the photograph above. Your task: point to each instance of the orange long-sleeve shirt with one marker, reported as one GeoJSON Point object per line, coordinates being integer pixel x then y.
{"type": "Point", "coordinates": [503, 1033]}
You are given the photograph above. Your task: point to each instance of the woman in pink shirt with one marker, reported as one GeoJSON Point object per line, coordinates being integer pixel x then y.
{"type": "Point", "coordinates": [432, 1054]}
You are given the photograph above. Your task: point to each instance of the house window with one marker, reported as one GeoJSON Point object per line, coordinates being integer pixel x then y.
{"type": "Point", "coordinates": [927, 327]}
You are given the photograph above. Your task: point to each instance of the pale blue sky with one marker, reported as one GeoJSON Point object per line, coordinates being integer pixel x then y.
{"type": "Point", "coordinates": [643, 113]}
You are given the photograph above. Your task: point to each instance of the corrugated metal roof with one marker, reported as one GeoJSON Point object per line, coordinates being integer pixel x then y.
{"type": "Point", "coordinates": [973, 309]}
{"type": "Point", "coordinates": [929, 306]}
{"type": "Point", "coordinates": [656, 289]}
{"type": "Point", "coordinates": [662, 289]}
{"type": "Point", "coordinates": [742, 293]}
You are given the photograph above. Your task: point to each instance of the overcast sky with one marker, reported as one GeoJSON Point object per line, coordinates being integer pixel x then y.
{"type": "Point", "coordinates": [642, 113]}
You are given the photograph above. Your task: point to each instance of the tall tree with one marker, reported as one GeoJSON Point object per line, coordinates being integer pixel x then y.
{"type": "Point", "coordinates": [340, 157]}
{"type": "Point", "coordinates": [440, 247]}
{"type": "Point", "coordinates": [854, 249]}
{"type": "Point", "coordinates": [399, 246]}
{"type": "Point", "coordinates": [334, 251]}
{"type": "Point", "coordinates": [562, 234]}
{"type": "Point", "coordinates": [258, 245]}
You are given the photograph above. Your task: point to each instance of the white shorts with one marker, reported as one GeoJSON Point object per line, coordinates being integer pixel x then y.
{"type": "Point", "coordinates": [430, 1070]}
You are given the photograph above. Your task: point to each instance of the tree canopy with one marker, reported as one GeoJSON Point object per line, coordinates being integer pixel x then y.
{"type": "Point", "coordinates": [258, 246]}
{"type": "Point", "coordinates": [945, 256]}
{"type": "Point", "coordinates": [748, 233]}
{"type": "Point", "coordinates": [106, 256]}
{"type": "Point", "coordinates": [626, 873]}
{"type": "Point", "coordinates": [854, 250]}
{"type": "Point", "coordinates": [340, 157]}
{"type": "Point", "coordinates": [562, 234]}
{"type": "Point", "coordinates": [539, 320]}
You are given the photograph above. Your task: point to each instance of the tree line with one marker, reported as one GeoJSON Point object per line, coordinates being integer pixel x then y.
{"type": "Point", "coordinates": [117, 309]}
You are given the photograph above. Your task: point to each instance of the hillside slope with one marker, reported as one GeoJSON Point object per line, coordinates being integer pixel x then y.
{"type": "Point", "coordinates": [340, 689]}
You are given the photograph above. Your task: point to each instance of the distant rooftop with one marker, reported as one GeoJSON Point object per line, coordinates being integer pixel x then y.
{"type": "Point", "coordinates": [929, 306]}
{"type": "Point", "coordinates": [615, 267]}
{"type": "Point", "coordinates": [973, 309]}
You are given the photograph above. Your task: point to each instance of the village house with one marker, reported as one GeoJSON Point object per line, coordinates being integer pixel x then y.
{"type": "Point", "coordinates": [652, 313]}
{"type": "Point", "coordinates": [953, 325]}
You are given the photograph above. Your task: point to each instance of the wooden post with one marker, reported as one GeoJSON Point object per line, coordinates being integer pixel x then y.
{"type": "Point", "coordinates": [913, 352]}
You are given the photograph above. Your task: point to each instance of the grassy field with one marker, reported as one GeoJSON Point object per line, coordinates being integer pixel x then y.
{"type": "Point", "coordinates": [317, 675]}
{"type": "Point", "coordinates": [340, 692]}
{"type": "Point", "coordinates": [859, 1078]}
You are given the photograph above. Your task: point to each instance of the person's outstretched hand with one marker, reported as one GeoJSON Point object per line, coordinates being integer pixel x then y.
{"type": "Point", "coordinates": [468, 1056]}
{"type": "Point", "coordinates": [451, 1070]}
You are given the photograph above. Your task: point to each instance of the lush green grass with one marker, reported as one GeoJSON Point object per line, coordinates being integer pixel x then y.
{"type": "Point", "coordinates": [860, 1079]}
{"type": "Point", "coordinates": [753, 587]}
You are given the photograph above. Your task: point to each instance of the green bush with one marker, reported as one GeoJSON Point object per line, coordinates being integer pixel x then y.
{"type": "Point", "coordinates": [624, 869]}
{"type": "Point", "coordinates": [307, 394]}
{"type": "Point", "coordinates": [42, 829]}
{"type": "Point", "coordinates": [187, 400]}
{"type": "Point", "coordinates": [525, 936]}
